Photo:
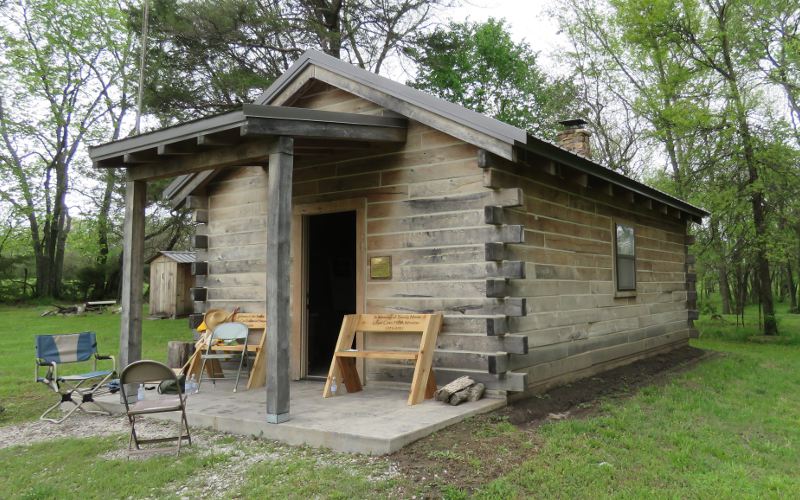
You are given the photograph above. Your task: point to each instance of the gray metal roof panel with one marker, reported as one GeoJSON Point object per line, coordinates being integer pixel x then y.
{"type": "Point", "coordinates": [180, 257]}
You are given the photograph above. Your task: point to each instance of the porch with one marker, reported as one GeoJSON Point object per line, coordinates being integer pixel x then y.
{"type": "Point", "coordinates": [375, 421]}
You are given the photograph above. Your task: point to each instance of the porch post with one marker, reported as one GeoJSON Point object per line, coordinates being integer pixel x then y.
{"type": "Point", "coordinates": [279, 326]}
{"type": "Point", "coordinates": [130, 333]}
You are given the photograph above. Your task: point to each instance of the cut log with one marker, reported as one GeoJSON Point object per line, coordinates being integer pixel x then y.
{"type": "Point", "coordinates": [453, 387]}
{"type": "Point", "coordinates": [178, 353]}
{"type": "Point", "coordinates": [476, 392]}
{"type": "Point", "coordinates": [459, 397]}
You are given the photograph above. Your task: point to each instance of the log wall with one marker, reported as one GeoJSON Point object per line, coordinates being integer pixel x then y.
{"type": "Point", "coordinates": [575, 322]}
{"type": "Point", "coordinates": [519, 259]}
{"type": "Point", "coordinates": [425, 204]}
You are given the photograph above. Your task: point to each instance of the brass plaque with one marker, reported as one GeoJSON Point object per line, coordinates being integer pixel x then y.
{"type": "Point", "coordinates": [380, 268]}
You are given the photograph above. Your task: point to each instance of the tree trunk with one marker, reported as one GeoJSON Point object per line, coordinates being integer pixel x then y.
{"type": "Point", "coordinates": [757, 195]}
{"type": "Point", "coordinates": [103, 224]}
{"type": "Point", "coordinates": [724, 289]}
{"type": "Point", "coordinates": [791, 288]}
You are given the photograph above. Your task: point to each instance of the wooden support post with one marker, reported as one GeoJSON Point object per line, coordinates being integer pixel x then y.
{"type": "Point", "coordinates": [279, 324]}
{"type": "Point", "coordinates": [130, 332]}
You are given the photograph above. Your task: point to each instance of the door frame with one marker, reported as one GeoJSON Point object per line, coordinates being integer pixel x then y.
{"type": "Point", "coordinates": [298, 364]}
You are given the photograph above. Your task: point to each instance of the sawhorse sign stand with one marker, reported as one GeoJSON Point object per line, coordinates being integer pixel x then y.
{"type": "Point", "coordinates": [343, 364]}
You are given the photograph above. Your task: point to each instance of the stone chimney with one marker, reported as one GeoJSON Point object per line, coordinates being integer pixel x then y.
{"type": "Point", "coordinates": [575, 137]}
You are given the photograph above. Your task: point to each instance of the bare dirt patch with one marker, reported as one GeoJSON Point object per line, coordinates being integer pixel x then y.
{"type": "Point", "coordinates": [476, 451]}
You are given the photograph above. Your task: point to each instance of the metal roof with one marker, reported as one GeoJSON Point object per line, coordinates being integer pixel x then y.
{"type": "Point", "coordinates": [178, 256]}
{"type": "Point", "coordinates": [491, 127]}
{"type": "Point", "coordinates": [482, 123]}
{"type": "Point", "coordinates": [239, 123]}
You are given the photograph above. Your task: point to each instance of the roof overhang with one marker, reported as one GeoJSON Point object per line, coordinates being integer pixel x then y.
{"type": "Point", "coordinates": [237, 138]}
{"type": "Point", "coordinates": [584, 165]}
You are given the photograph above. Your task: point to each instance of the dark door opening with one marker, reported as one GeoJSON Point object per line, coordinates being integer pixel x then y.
{"type": "Point", "coordinates": [331, 284]}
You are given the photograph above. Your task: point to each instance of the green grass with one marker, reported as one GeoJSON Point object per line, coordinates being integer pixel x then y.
{"type": "Point", "coordinates": [729, 427]}
{"type": "Point", "coordinates": [726, 328]}
{"type": "Point", "coordinates": [21, 397]}
{"type": "Point", "coordinates": [70, 468]}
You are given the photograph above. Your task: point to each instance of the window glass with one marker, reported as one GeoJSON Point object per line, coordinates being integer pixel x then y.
{"type": "Point", "coordinates": [626, 260]}
{"type": "Point", "coordinates": [625, 240]}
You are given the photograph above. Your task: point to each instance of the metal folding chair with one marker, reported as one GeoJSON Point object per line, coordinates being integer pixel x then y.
{"type": "Point", "coordinates": [55, 350]}
{"type": "Point", "coordinates": [153, 372]}
{"type": "Point", "coordinates": [226, 332]}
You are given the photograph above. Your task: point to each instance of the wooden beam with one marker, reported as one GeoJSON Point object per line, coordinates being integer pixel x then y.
{"type": "Point", "coordinates": [140, 157]}
{"type": "Point", "coordinates": [247, 153]}
{"type": "Point", "coordinates": [130, 333]}
{"type": "Point", "coordinates": [214, 141]}
{"type": "Point", "coordinates": [175, 149]}
{"type": "Point", "coordinates": [255, 127]}
{"type": "Point", "coordinates": [279, 321]}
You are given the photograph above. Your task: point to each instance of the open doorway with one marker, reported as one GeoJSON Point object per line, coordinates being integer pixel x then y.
{"type": "Point", "coordinates": [330, 285]}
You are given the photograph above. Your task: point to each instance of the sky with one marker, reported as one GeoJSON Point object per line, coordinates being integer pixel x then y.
{"type": "Point", "coordinates": [527, 19]}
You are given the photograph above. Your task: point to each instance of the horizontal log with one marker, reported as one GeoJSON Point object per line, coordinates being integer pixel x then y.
{"type": "Point", "coordinates": [496, 287]}
{"type": "Point", "coordinates": [450, 203]}
{"type": "Point", "coordinates": [477, 324]}
{"type": "Point", "coordinates": [199, 268]}
{"type": "Point", "coordinates": [195, 320]}
{"type": "Point", "coordinates": [199, 294]}
{"type": "Point", "coordinates": [196, 202]}
{"type": "Point", "coordinates": [494, 251]}
{"type": "Point", "coordinates": [514, 344]}
{"type": "Point", "coordinates": [510, 269]}
{"type": "Point", "coordinates": [498, 363]}
{"type": "Point", "coordinates": [200, 216]}
{"type": "Point", "coordinates": [493, 215]}
{"type": "Point", "coordinates": [200, 241]}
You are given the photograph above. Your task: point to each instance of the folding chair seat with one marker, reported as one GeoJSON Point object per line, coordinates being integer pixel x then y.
{"type": "Point", "coordinates": [53, 351]}
{"type": "Point", "coordinates": [153, 372]}
{"type": "Point", "coordinates": [226, 332]}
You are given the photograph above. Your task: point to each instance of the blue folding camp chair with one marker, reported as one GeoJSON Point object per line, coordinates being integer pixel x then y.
{"type": "Point", "coordinates": [55, 350]}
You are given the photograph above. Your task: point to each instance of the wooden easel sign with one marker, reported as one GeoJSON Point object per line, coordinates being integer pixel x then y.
{"type": "Point", "coordinates": [343, 364]}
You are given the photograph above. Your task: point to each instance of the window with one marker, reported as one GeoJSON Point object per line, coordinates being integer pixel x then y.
{"type": "Point", "coordinates": [625, 253]}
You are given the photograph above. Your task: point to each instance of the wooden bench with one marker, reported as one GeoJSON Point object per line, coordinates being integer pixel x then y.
{"type": "Point", "coordinates": [343, 364]}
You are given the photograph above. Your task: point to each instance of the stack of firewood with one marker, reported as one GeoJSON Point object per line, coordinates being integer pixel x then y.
{"type": "Point", "coordinates": [460, 390]}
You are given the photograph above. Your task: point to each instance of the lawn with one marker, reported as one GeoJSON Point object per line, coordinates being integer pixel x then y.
{"type": "Point", "coordinates": [25, 400]}
{"type": "Point", "coordinates": [728, 427]}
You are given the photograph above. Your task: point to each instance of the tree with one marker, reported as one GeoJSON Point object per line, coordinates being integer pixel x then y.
{"type": "Point", "coordinates": [716, 38]}
{"type": "Point", "coordinates": [207, 56]}
{"type": "Point", "coordinates": [479, 66]}
{"type": "Point", "coordinates": [52, 103]}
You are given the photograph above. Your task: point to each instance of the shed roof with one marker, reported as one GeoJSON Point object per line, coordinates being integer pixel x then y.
{"type": "Point", "coordinates": [180, 257]}
{"type": "Point", "coordinates": [421, 106]}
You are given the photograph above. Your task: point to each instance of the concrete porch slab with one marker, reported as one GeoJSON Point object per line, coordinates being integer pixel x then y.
{"type": "Point", "coordinates": [374, 421]}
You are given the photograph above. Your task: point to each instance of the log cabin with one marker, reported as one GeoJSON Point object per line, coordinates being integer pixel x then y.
{"type": "Point", "coordinates": [340, 191]}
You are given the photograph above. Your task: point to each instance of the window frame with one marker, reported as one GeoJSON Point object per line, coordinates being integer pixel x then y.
{"type": "Point", "coordinates": [627, 292]}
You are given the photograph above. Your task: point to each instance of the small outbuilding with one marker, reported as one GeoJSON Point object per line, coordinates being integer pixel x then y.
{"type": "Point", "coordinates": [170, 283]}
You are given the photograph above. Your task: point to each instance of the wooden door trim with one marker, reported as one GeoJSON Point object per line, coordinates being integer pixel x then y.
{"type": "Point", "coordinates": [297, 365]}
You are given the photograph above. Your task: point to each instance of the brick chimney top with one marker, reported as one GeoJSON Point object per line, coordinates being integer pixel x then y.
{"type": "Point", "coordinates": [575, 137]}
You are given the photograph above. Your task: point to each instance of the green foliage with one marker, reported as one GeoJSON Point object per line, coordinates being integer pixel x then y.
{"type": "Point", "coordinates": [479, 66]}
